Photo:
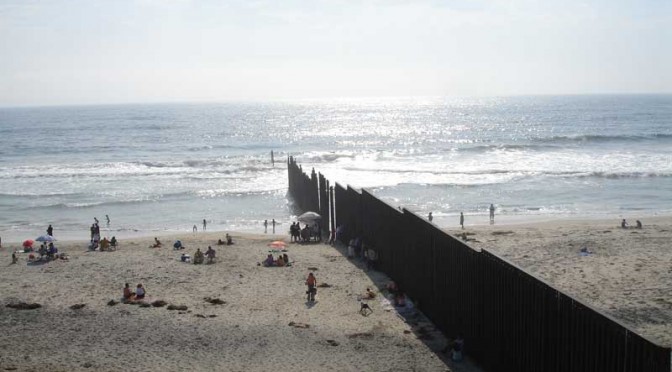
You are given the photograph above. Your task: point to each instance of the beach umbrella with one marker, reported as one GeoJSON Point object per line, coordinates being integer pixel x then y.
{"type": "Point", "coordinates": [309, 217]}
{"type": "Point", "coordinates": [278, 244]}
{"type": "Point", "coordinates": [45, 238]}
{"type": "Point", "coordinates": [28, 243]}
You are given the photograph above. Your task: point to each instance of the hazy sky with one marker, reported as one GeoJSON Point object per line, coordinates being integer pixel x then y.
{"type": "Point", "coordinates": [89, 51]}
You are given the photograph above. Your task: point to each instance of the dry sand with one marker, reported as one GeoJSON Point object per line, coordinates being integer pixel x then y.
{"type": "Point", "coordinates": [628, 276]}
{"type": "Point", "coordinates": [250, 331]}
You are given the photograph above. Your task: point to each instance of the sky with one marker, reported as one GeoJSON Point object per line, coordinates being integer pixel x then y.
{"type": "Point", "coordinates": [57, 52]}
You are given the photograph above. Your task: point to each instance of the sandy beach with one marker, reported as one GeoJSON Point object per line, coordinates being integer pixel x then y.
{"type": "Point", "coordinates": [265, 322]}
{"type": "Point", "coordinates": [628, 275]}
{"type": "Point", "coordinates": [262, 323]}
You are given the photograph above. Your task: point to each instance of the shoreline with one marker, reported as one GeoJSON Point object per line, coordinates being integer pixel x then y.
{"type": "Point", "coordinates": [443, 222]}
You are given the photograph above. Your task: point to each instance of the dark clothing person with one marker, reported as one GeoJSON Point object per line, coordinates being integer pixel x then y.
{"type": "Point", "coordinates": [50, 231]}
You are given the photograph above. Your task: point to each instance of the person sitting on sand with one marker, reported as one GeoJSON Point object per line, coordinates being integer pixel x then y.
{"type": "Point", "coordinates": [229, 239]}
{"type": "Point", "coordinates": [269, 260]}
{"type": "Point", "coordinates": [113, 241]}
{"type": "Point", "coordinates": [400, 299]}
{"type": "Point", "coordinates": [139, 292]}
{"type": "Point", "coordinates": [210, 254]}
{"type": "Point", "coordinates": [14, 258]}
{"type": "Point", "coordinates": [220, 242]}
{"type": "Point", "coordinates": [392, 287]}
{"type": "Point", "coordinates": [280, 261]}
{"type": "Point", "coordinates": [128, 295]}
{"type": "Point", "coordinates": [456, 349]}
{"type": "Point", "coordinates": [198, 257]}
{"type": "Point", "coordinates": [42, 251]}
{"type": "Point", "coordinates": [104, 244]}
{"type": "Point", "coordinates": [624, 224]}
{"type": "Point", "coordinates": [157, 243]}
{"type": "Point", "coordinates": [178, 245]}
{"type": "Point", "coordinates": [51, 251]}
{"type": "Point", "coordinates": [285, 258]}
{"type": "Point", "coordinates": [369, 294]}
{"type": "Point", "coordinates": [639, 224]}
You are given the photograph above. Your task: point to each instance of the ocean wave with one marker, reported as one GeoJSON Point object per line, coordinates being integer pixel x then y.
{"type": "Point", "coordinates": [504, 147]}
{"type": "Point", "coordinates": [619, 175]}
{"type": "Point", "coordinates": [327, 157]}
{"type": "Point", "coordinates": [180, 195]}
{"type": "Point", "coordinates": [521, 172]}
{"type": "Point", "coordinates": [603, 138]}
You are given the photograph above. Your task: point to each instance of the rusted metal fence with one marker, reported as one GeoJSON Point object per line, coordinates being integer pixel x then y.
{"type": "Point", "coordinates": [509, 319]}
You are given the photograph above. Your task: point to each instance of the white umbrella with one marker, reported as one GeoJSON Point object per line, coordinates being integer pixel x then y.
{"type": "Point", "coordinates": [45, 238]}
{"type": "Point", "coordinates": [309, 217]}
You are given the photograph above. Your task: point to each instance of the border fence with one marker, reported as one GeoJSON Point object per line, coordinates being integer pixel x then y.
{"type": "Point", "coordinates": [509, 319]}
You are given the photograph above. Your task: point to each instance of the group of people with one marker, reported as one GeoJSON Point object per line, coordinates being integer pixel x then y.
{"type": "Point", "coordinates": [624, 224]}
{"type": "Point", "coordinates": [199, 256]}
{"type": "Point", "coordinates": [491, 209]}
{"type": "Point", "coordinates": [229, 240]}
{"type": "Point", "coordinates": [266, 226]}
{"type": "Point", "coordinates": [282, 260]}
{"type": "Point", "coordinates": [398, 297]}
{"type": "Point", "coordinates": [298, 234]}
{"type": "Point", "coordinates": [129, 295]}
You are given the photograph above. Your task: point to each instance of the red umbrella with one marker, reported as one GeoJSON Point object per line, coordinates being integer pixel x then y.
{"type": "Point", "coordinates": [278, 244]}
{"type": "Point", "coordinates": [28, 243]}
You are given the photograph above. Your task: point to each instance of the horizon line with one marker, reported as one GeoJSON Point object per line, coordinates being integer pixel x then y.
{"type": "Point", "coordinates": [317, 99]}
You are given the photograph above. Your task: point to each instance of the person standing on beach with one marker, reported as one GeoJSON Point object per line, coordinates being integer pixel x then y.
{"type": "Point", "coordinates": [430, 217]}
{"type": "Point", "coordinates": [50, 231]}
{"type": "Point", "coordinates": [108, 220]}
{"type": "Point", "coordinates": [265, 226]}
{"type": "Point", "coordinates": [492, 214]}
{"type": "Point", "coordinates": [311, 282]}
{"type": "Point", "coordinates": [273, 223]}
{"type": "Point", "coordinates": [194, 229]}
{"type": "Point", "coordinates": [462, 220]}
{"type": "Point", "coordinates": [205, 224]}
{"type": "Point", "coordinates": [95, 220]}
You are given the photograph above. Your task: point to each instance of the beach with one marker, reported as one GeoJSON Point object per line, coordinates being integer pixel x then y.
{"type": "Point", "coordinates": [239, 315]}
{"type": "Point", "coordinates": [628, 275]}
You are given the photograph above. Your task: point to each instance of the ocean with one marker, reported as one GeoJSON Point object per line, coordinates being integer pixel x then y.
{"type": "Point", "coordinates": [157, 168]}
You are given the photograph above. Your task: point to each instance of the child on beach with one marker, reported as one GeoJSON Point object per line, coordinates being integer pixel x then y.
{"type": "Point", "coordinates": [311, 282]}
{"type": "Point", "coordinates": [157, 243]}
{"type": "Point", "coordinates": [128, 295]}
{"type": "Point", "coordinates": [139, 292]}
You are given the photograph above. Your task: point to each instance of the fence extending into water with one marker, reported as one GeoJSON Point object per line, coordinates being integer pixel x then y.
{"type": "Point", "coordinates": [509, 319]}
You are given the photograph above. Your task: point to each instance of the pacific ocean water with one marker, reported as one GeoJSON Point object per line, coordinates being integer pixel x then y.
{"type": "Point", "coordinates": [165, 167]}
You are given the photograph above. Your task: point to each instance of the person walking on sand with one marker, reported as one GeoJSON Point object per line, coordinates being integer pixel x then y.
{"type": "Point", "coordinates": [50, 231]}
{"type": "Point", "coordinates": [205, 224]}
{"type": "Point", "coordinates": [194, 229]}
{"type": "Point", "coordinates": [462, 220]}
{"type": "Point", "coordinates": [492, 214]}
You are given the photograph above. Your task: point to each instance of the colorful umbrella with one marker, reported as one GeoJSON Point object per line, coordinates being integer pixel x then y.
{"type": "Point", "coordinates": [309, 217]}
{"type": "Point", "coordinates": [45, 238]}
{"type": "Point", "coordinates": [278, 244]}
{"type": "Point", "coordinates": [28, 243]}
